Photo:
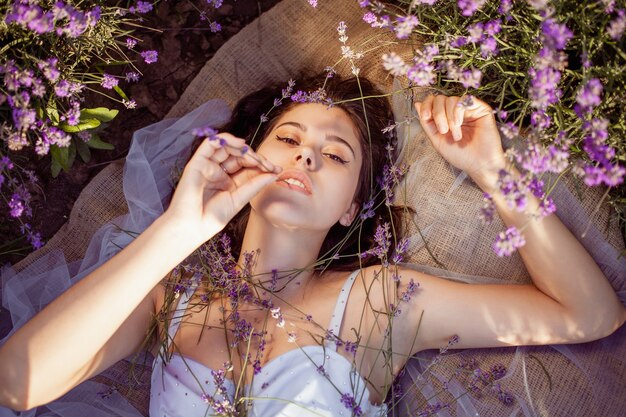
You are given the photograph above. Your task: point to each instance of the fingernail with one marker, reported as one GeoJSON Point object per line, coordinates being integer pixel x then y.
{"type": "Point", "coordinates": [456, 135]}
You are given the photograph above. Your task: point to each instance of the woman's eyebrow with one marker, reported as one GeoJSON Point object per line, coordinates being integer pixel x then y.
{"type": "Point", "coordinates": [332, 138]}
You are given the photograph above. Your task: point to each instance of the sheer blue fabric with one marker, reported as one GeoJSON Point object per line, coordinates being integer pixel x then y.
{"type": "Point", "coordinates": [148, 180]}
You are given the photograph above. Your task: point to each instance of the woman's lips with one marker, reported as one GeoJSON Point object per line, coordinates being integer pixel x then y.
{"type": "Point", "coordinates": [295, 180]}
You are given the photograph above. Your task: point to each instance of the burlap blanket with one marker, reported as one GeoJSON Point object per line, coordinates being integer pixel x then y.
{"type": "Point", "coordinates": [293, 38]}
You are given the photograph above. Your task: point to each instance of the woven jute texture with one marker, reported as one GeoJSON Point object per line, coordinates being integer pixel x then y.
{"type": "Point", "coordinates": [292, 39]}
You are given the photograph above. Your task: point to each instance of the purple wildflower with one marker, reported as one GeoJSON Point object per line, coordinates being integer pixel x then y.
{"type": "Point", "coordinates": [405, 25]}
{"type": "Point", "coordinates": [471, 78]}
{"type": "Point", "coordinates": [131, 43]}
{"type": "Point", "coordinates": [350, 403]}
{"type": "Point", "coordinates": [16, 205]}
{"type": "Point", "coordinates": [393, 63]}
{"type": "Point", "coordinates": [215, 27]}
{"type": "Point", "coordinates": [6, 163]}
{"type": "Point", "coordinates": [508, 241]}
{"type": "Point", "coordinates": [432, 409]}
{"type": "Point", "coordinates": [422, 74]}
{"type": "Point", "coordinates": [401, 248]}
{"type": "Point", "coordinates": [617, 25]}
{"type": "Point", "coordinates": [141, 7]}
{"type": "Point", "coordinates": [62, 89]}
{"type": "Point", "coordinates": [469, 7]}
{"type": "Point", "coordinates": [216, 3]}
{"type": "Point", "coordinates": [313, 3]}
{"type": "Point", "coordinates": [109, 81]}
{"type": "Point", "coordinates": [72, 117]}
{"type": "Point", "coordinates": [514, 191]}
{"type": "Point", "coordinates": [382, 237]}
{"type": "Point", "coordinates": [588, 97]}
{"type": "Point", "coordinates": [555, 35]}
{"type": "Point", "coordinates": [370, 18]}
{"type": "Point", "coordinates": [132, 76]}
{"type": "Point", "coordinates": [544, 90]}
{"type": "Point", "coordinates": [49, 69]}
{"type": "Point", "coordinates": [505, 8]}
{"type": "Point", "coordinates": [150, 57]}
{"type": "Point", "coordinates": [24, 118]}
{"type": "Point", "coordinates": [411, 288]}
{"type": "Point", "coordinates": [488, 209]}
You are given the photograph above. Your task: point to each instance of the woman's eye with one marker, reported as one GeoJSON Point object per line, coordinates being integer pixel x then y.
{"type": "Point", "coordinates": [288, 140]}
{"type": "Point", "coordinates": [336, 158]}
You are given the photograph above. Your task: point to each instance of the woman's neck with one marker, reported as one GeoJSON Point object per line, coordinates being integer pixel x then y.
{"type": "Point", "coordinates": [291, 253]}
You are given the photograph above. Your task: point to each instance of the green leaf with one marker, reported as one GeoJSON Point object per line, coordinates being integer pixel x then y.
{"type": "Point", "coordinates": [55, 168]}
{"type": "Point", "coordinates": [53, 115]}
{"type": "Point", "coordinates": [120, 92]}
{"type": "Point", "coordinates": [96, 143]}
{"type": "Point", "coordinates": [61, 156]}
{"type": "Point", "coordinates": [82, 125]}
{"type": "Point", "coordinates": [99, 113]}
{"type": "Point", "coordinates": [83, 150]}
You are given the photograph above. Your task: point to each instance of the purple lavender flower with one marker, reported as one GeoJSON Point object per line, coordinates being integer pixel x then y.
{"type": "Point", "coordinates": [131, 43]}
{"type": "Point", "coordinates": [588, 97]}
{"type": "Point", "coordinates": [49, 69]}
{"type": "Point", "coordinates": [55, 136]}
{"type": "Point", "coordinates": [489, 47]}
{"type": "Point", "coordinates": [24, 118]}
{"type": "Point", "coordinates": [132, 76]}
{"type": "Point", "coordinates": [6, 163]}
{"type": "Point", "coordinates": [16, 206]}
{"type": "Point", "coordinates": [72, 117]}
{"type": "Point", "coordinates": [514, 191]}
{"type": "Point", "coordinates": [471, 78]}
{"type": "Point", "coordinates": [216, 3]}
{"type": "Point", "coordinates": [393, 63]}
{"type": "Point", "coordinates": [215, 27]}
{"type": "Point", "coordinates": [432, 409]}
{"type": "Point", "coordinates": [350, 403]}
{"type": "Point", "coordinates": [555, 35]}
{"type": "Point", "coordinates": [62, 89]}
{"type": "Point", "coordinates": [505, 8]}
{"type": "Point", "coordinates": [411, 288]}
{"type": "Point", "coordinates": [508, 242]}
{"type": "Point", "coordinates": [543, 90]}
{"type": "Point", "coordinates": [616, 27]}
{"type": "Point", "coordinates": [469, 7]}
{"type": "Point", "coordinates": [150, 56]}
{"type": "Point", "coordinates": [405, 25]}
{"type": "Point", "coordinates": [488, 209]}
{"type": "Point", "coordinates": [382, 237]}
{"type": "Point", "coordinates": [141, 7]}
{"type": "Point", "coordinates": [109, 81]}
{"type": "Point", "coordinates": [422, 74]}
{"type": "Point", "coordinates": [401, 248]}
{"type": "Point", "coordinates": [370, 18]}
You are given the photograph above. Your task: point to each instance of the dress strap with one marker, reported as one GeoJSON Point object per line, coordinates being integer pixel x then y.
{"type": "Point", "coordinates": [337, 318]}
{"type": "Point", "coordinates": [178, 314]}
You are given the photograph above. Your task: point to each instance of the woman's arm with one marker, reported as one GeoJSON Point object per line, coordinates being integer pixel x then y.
{"type": "Point", "coordinates": [104, 317]}
{"type": "Point", "coordinates": [570, 299]}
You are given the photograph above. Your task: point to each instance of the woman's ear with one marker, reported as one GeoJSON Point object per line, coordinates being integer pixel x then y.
{"type": "Point", "coordinates": [348, 216]}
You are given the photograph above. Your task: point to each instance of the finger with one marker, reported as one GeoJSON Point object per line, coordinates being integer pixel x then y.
{"type": "Point", "coordinates": [439, 114]}
{"type": "Point", "coordinates": [424, 109]}
{"type": "Point", "coordinates": [248, 189]}
{"type": "Point", "coordinates": [452, 105]}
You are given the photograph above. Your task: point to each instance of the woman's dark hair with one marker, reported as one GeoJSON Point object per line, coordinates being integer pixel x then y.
{"type": "Point", "coordinates": [370, 116]}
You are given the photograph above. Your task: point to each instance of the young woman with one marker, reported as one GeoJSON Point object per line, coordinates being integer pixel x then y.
{"type": "Point", "coordinates": [280, 332]}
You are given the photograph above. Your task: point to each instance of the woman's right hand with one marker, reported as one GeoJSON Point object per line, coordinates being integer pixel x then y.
{"type": "Point", "coordinates": [221, 177]}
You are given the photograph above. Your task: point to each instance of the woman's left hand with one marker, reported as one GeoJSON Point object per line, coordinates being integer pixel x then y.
{"type": "Point", "coordinates": [465, 135]}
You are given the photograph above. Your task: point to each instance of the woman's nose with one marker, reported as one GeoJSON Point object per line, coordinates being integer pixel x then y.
{"type": "Point", "coordinates": [305, 157]}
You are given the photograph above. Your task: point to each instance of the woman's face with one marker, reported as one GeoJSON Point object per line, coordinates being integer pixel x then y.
{"type": "Point", "coordinates": [321, 156]}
